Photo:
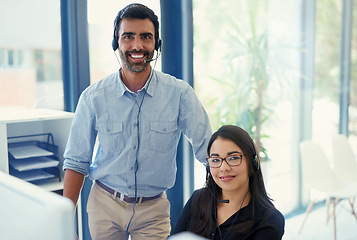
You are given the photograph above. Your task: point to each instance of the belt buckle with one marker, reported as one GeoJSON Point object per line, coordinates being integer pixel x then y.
{"type": "Point", "coordinates": [121, 197]}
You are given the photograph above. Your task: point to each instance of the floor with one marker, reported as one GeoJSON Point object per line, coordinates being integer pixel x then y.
{"type": "Point", "coordinates": [316, 228]}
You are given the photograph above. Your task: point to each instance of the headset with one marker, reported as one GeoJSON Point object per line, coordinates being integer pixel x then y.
{"type": "Point", "coordinates": [120, 16]}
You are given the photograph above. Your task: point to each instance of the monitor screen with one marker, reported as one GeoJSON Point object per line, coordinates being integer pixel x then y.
{"type": "Point", "coordinates": [29, 212]}
{"type": "Point", "coordinates": [186, 236]}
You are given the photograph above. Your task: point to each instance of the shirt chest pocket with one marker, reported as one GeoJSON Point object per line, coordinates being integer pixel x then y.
{"type": "Point", "coordinates": [163, 136]}
{"type": "Point", "coordinates": [111, 136]}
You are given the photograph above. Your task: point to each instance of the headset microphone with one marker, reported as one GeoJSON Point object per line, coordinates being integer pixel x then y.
{"type": "Point", "coordinates": [150, 59]}
{"type": "Point", "coordinates": [218, 200]}
{"type": "Point", "coordinates": [153, 59]}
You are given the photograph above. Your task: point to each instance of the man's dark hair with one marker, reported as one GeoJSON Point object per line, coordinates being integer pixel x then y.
{"type": "Point", "coordinates": [137, 11]}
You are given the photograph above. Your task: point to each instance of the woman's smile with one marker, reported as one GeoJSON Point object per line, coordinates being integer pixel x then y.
{"type": "Point", "coordinates": [227, 178]}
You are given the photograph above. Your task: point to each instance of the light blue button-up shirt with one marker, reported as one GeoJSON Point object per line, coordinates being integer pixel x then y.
{"type": "Point", "coordinates": [136, 132]}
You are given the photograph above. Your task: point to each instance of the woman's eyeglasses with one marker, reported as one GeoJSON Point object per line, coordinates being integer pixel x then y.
{"type": "Point", "coordinates": [232, 160]}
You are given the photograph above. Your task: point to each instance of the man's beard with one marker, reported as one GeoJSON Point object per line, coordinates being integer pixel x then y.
{"type": "Point", "coordinates": [135, 67]}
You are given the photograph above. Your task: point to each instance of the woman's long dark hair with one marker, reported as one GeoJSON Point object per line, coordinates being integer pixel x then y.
{"type": "Point", "coordinates": [204, 206]}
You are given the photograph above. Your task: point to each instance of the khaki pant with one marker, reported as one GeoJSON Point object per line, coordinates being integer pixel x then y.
{"type": "Point", "coordinates": [109, 217]}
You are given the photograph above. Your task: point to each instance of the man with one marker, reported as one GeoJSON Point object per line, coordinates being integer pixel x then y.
{"type": "Point", "coordinates": [137, 114]}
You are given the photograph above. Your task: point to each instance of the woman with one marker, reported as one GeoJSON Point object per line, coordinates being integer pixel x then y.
{"type": "Point", "coordinates": [234, 203]}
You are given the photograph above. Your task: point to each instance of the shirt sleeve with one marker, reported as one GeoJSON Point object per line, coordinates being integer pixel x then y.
{"type": "Point", "coordinates": [79, 148]}
{"type": "Point", "coordinates": [194, 123]}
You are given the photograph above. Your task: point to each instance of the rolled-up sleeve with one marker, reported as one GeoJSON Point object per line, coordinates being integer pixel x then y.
{"type": "Point", "coordinates": [79, 149]}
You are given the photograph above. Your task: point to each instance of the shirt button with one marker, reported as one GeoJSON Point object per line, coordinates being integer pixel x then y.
{"type": "Point", "coordinates": [129, 187]}
{"type": "Point", "coordinates": [132, 168]}
{"type": "Point", "coordinates": [134, 147]}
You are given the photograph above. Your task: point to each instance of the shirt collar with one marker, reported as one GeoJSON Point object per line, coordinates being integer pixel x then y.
{"type": "Point", "coordinates": [149, 86]}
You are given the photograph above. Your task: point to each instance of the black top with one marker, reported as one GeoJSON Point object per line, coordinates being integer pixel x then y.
{"type": "Point", "coordinates": [268, 223]}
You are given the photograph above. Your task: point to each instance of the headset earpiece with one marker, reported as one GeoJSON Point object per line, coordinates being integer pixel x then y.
{"type": "Point", "coordinates": [208, 170]}
{"type": "Point", "coordinates": [255, 159]}
{"type": "Point", "coordinates": [158, 44]}
{"type": "Point", "coordinates": [115, 43]}
{"type": "Point", "coordinates": [256, 163]}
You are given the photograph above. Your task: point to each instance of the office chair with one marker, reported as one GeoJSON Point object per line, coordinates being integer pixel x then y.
{"type": "Point", "coordinates": [344, 159]}
{"type": "Point", "coordinates": [318, 176]}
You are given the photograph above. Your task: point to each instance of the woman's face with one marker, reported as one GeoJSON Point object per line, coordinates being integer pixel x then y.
{"type": "Point", "coordinates": [229, 178]}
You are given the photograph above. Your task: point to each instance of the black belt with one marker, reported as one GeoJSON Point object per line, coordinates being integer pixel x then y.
{"type": "Point", "coordinates": [126, 198]}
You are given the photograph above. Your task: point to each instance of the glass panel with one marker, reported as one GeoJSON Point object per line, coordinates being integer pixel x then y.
{"type": "Point", "coordinates": [3, 58]}
{"type": "Point", "coordinates": [101, 15]}
{"type": "Point", "coordinates": [353, 89]}
{"type": "Point", "coordinates": [325, 116]}
{"type": "Point", "coordinates": [245, 74]}
{"type": "Point", "coordinates": [30, 54]}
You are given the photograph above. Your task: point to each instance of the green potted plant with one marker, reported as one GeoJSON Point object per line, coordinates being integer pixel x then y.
{"type": "Point", "coordinates": [245, 102]}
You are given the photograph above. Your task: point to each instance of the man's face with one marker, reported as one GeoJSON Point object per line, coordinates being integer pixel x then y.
{"type": "Point", "coordinates": [136, 43]}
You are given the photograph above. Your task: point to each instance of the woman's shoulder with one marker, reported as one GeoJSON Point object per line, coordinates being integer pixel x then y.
{"type": "Point", "coordinates": [268, 215]}
{"type": "Point", "coordinates": [268, 212]}
{"type": "Point", "coordinates": [198, 193]}
{"type": "Point", "coordinates": [276, 216]}
{"type": "Point", "coordinates": [274, 219]}
{"type": "Point", "coordinates": [269, 224]}
{"type": "Point", "coordinates": [196, 197]}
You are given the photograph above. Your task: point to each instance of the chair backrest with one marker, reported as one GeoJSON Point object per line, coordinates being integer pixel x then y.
{"type": "Point", "coordinates": [344, 159]}
{"type": "Point", "coordinates": [316, 171]}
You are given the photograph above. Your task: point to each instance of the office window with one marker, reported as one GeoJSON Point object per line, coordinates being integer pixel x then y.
{"type": "Point", "coordinates": [30, 54]}
{"type": "Point", "coordinates": [101, 15]}
{"type": "Point", "coordinates": [239, 44]}
{"type": "Point", "coordinates": [325, 118]}
{"type": "Point", "coordinates": [353, 89]}
{"type": "Point", "coordinates": [11, 61]}
{"type": "Point", "coordinates": [246, 56]}
{"type": "Point", "coordinates": [2, 58]}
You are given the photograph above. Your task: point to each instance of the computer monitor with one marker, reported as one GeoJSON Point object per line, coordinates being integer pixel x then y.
{"type": "Point", "coordinates": [29, 212]}
{"type": "Point", "coordinates": [186, 236]}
